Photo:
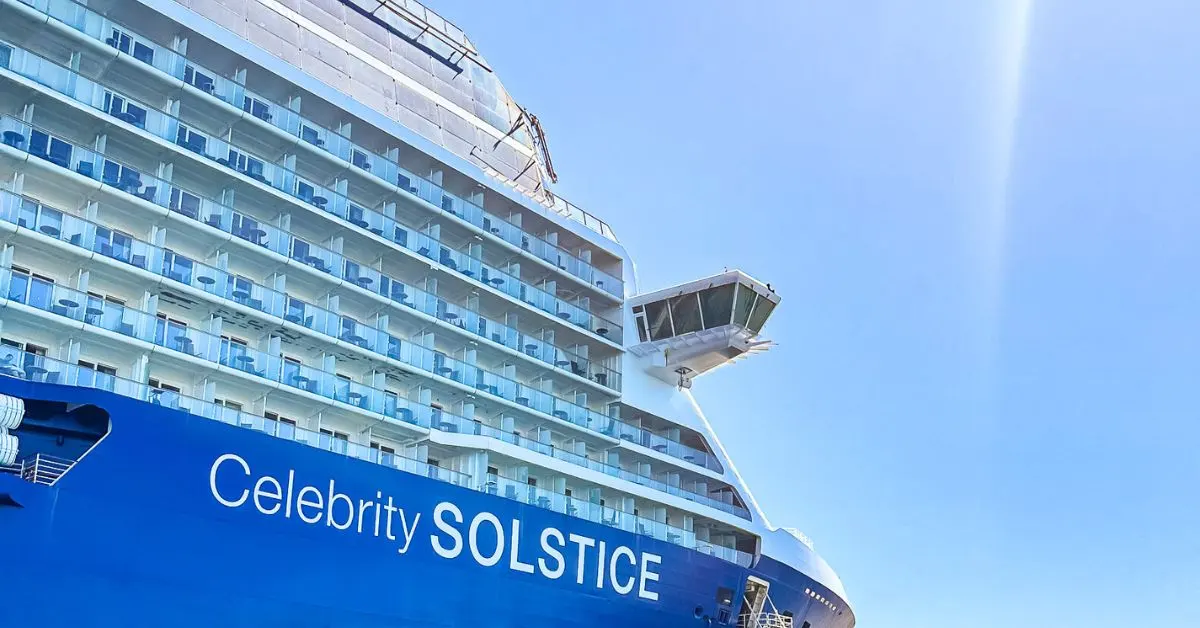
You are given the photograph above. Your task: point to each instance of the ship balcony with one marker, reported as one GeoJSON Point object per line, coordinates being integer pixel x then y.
{"type": "Point", "coordinates": [187, 272]}
{"type": "Point", "coordinates": [229, 170]}
{"type": "Point", "coordinates": [229, 220]}
{"type": "Point", "coordinates": [227, 103]}
{"type": "Point", "coordinates": [207, 224]}
{"type": "Point", "coordinates": [495, 484]}
{"type": "Point", "coordinates": [14, 363]}
{"type": "Point", "coordinates": [695, 488]}
{"type": "Point", "coordinates": [186, 342]}
{"type": "Point", "coordinates": [185, 339]}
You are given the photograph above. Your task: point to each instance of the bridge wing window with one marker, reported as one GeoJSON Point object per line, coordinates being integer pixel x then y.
{"type": "Point", "coordinates": [762, 310]}
{"type": "Point", "coordinates": [717, 305]}
{"type": "Point", "coordinates": [659, 318]}
{"type": "Point", "coordinates": [685, 313]}
{"type": "Point", "coordinates": [743, 305]}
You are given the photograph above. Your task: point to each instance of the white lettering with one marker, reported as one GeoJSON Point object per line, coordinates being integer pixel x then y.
{"type": "Point", "coordinates": [212, 480]}
{"type": "Point", "coordinates": [648, 576]}
{"type": "Point", "coordinates": [438, 512]}
{"type": "Point", "coordinates": [379, 497]}
{"type": "Point", "coordinates": [473, 539]}
{"type": "Point", "coordinates": [259, 493]}
{"type": "Point", "coordinates": [624, 568]}
{"type": "Point", "coordinates": [391, 510]}
{"type": "Point", "coordinates": [287, 501]}
{"type": "Point", "coordinates": [557, 572]}
{"type": "Point", "coordinates": [301, 504]}
{"type": "Point", "coordinates": [600, 567]}
{"type": "Point", "coordinates": [363, 505]}
{"type": "Point", "coordinates": [514, 562]}
{"type": "Point", "coordinates": [623, 589]}
{"type": "Point", "coordinates": [582, 542]}
{"type": "Point", "coordinates": [334, 496]}
{"type": "Point", "coordinates": [409, 533]}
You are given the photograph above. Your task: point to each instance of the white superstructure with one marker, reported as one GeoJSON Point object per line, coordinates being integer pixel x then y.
{"type": "Point", "coordinates": [191, 206]}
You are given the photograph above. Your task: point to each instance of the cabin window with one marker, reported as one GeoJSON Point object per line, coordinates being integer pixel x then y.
{"type": "Point", "coordinates": [286, 428]}
{"type": "Point", "coordinates": [292, 368]}
{"type": "Point", "coordinates": [334, 440]}
{"type": "Point", "coordinates": [383, 454]}
{"type": "Point", "coordinates": [99, 368]}
{"type": "Point", "coordinates": [96, 375]}
{"type": "Point", "coordinates": [158, 385]}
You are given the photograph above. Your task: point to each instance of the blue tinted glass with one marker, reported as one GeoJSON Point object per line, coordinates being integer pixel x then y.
{"type": "Point", "coordinates": [261, 110]}
{"type": "Point", "coordinates": [60, 152]}
{"type": "Point", "coordinates": [310, 135]}
{"type": "Point", "coordinates": [136, 114]}
{"type": "Point", "coordinates": [112, 172]}
{"type": "Point", "coordinates": [39, 143]}
{"type": "Point", "coordinates": [305, 191]}
{"type": "Point", "coordinates": [17, 286]}
{"type": "Point", "coordinates": [143, 53]}
{"type": "Point", "coordinates": [28, 214]}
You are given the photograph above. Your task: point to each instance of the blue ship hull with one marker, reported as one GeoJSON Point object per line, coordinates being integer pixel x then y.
{"type": "Point", "coordinates": [136, 534]}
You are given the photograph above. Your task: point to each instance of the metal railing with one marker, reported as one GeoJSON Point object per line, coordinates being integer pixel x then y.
{"type": "Point", "coordinates": [385, 168]}
{"type": "Point", "coordinates": [127, 321]}
{"type": "Point", "coordinates": [39, 368]}
{"type": "Point", "coordinates": [39, 468]}
{"type": "Point", "coordinates": [765, 620]}
{"type": "Point", "coordinates": [46, 220]}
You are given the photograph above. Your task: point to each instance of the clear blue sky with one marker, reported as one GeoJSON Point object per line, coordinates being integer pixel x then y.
{"type": "Point", "coordinates": [984, 219]}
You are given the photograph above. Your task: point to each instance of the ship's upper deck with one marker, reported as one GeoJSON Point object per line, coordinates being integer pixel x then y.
{"type": "Point", "coordinates": [410, 64]}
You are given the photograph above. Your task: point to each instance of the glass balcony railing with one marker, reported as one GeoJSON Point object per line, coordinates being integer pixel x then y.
{"type": "Point", "coordinates": [48, 221]}
{"type": "Point", "coordinates": [150, 188]}
{"type": "Point", "coordinates": [535, 496]}
{"type": "Point", "coordinates": [28, 366]}
{"type": "Point", "coordinates": [14, 363]}
{"type": "Point", "coordinates": [115, 245]}
{"type": "Point", "coordinates": [291, 123]}
{"type": "Point", "coordinates": [37, 142]}
{"type": "Point", "coordinates": [171, 129]}
{"type": "Point", "coordinates": [466, 426]}
{"type": "Point", "coordinates": [127, 321]}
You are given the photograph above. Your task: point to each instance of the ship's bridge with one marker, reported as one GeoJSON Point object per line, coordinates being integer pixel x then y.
{"type": "Point", "coordinates": [689, 329]}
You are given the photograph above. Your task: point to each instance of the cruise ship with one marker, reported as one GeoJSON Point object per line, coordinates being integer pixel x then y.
{"type": "Point", "coordinates": [294, 331]}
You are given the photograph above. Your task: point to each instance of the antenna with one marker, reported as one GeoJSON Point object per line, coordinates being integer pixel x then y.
{"type": "Point", "coordinates": [539, 140]}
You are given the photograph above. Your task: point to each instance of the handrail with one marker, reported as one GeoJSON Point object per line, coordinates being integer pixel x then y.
{"type": "Point", "coordinates": [77, 375]}
{"type": "Point", "coordinates": [39, 468]}
{"type": "Point", "coordinates": [306, 193]}
{"type": "Point", "coordinates": [525, 395]}
{"type": "Point", "coordinates": [765, 620]}
{"type": "Point", "coordinates": [180, 67]}
{"type": "Point", "coordinates": [128, 321]}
